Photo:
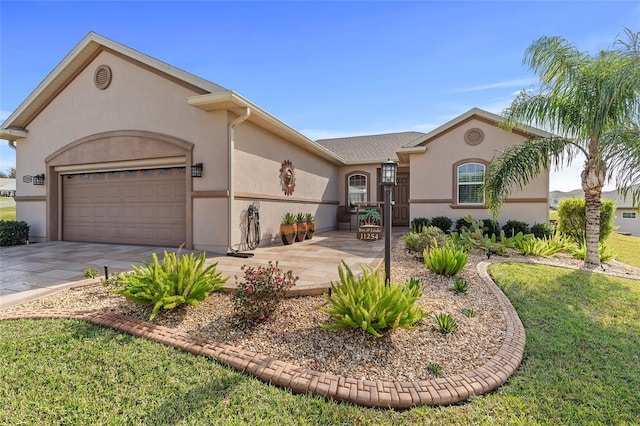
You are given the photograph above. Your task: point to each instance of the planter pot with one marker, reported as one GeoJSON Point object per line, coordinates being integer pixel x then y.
{"type": "Point", "coordinates": [311, 229]}
{"type": "Point", "coordinates": [301, 233]}
{"type": "Point", "coordinates": [288, 233]}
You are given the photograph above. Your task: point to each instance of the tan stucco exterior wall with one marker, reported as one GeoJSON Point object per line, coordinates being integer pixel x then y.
{"type": "Point", "coordinates": [257, 162]}
{"type": "Point", "coordinates": [136, 99]}
{"type": "Point", "coordinates": [432, 191]}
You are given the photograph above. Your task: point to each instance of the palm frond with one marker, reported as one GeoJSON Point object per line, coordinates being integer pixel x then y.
{"type": "Point", "coordinates": [514, 167]}
{"type": "Point", "coordinates": [621, 151]}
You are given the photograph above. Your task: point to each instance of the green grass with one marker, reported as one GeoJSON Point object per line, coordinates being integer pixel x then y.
{"type": "Point", "coordinates": [581, 366]}
{"type": "Point", "coordinates": [626, 248]}
{"type": "Point", "coordinates": [8, 213]}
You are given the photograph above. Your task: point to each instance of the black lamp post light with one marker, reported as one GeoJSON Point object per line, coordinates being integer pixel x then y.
{"type": "Point", "coordinates": [388, 175]}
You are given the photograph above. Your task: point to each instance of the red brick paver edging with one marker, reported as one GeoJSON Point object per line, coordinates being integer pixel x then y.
{"type": "Point", "coordinates": [440, 391]}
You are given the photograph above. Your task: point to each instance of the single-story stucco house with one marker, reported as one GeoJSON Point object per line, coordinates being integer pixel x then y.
{"type": "Point", "coordinates": [116, 146]}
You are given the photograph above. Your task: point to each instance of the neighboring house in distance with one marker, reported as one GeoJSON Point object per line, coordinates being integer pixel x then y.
{"type": "Point", "coordinates": [627, 218]}
{"type": "Point", "coordinates": [7, 187]}
{"type": "Point", "coordinates": [116, 146]}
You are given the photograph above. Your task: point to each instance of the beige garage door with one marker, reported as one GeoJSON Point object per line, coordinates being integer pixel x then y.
{"type": "Point", "coordinates": [130, 207]}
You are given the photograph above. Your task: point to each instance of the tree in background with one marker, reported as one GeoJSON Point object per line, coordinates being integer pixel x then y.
{"type": "Point", "coordinates": [590, 104]}
{"type": "Point", "coordinates": [10, 173]}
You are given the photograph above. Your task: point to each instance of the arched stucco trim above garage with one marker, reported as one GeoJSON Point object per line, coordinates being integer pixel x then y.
{"type": "Point", "coordinates": [113, 151]}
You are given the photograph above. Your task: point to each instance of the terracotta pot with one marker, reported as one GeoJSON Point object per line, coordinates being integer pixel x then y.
{"type": "Point", "coordinates": [288, 233]}
{"type": "Point", "coordinates": [301, 233]}
{"type": "Point", "coordinates": [311, 229]}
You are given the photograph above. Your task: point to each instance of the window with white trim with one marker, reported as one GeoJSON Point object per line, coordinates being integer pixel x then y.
{"type": "Point", "coordinates": [470, 178]}
{"type": "Point", "coordinates": [628, 215]}
{"type": "Point", "coordinates": [357, 189]}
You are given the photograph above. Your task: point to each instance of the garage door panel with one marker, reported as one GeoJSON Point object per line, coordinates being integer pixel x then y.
{"type": "Point", "coordinates": [134, 207]}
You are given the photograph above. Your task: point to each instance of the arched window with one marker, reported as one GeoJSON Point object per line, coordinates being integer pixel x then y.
{"type": "Point", "coordinates": [357, 189]}
{"type": "Point", "coordinates": [470, 176]}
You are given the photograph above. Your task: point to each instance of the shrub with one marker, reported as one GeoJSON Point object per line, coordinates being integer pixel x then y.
{"type": "Point", "coordinates": [446, 324]}
{"type": "Point", "coordinates": [90, 272]}
{"type": "Point", "coordinates": [430, 235]}
{"type": "Point", "coordinates": [414, 283]}
{"type": "Point", "coordinates": [259, 294]}
{"type": "Point", "coordinates": [571, 218]}
{"type": "Point", "coordinates": [178, 280]}
{"type": "Point", "coordinates": [367, 303]}
{"type": "Point", "coordinates": [474, 235]}
{"type": "Point", "coordinates": [580, 251]}
{"type": "Point", "coordinates": [460, 286]}
{"type": "Point", "coordinates": [489, 227]}
{"type": "Point", "coordinates": [442, 222]}
{"type": "Point", "coordinates": [13, 232]}
{"type": "Point", "coordinates": [469, 313]}
{"type": "Point", "coordinates": [546, 246]}
{"type": "Point", "coordinates": [512, 227]}
{"type": "Point", "coordinates": [542, 230]}
{"type": "Point", "coordinates": [419, 223]}
{"type": "Point", "coordinates": [446, 260]}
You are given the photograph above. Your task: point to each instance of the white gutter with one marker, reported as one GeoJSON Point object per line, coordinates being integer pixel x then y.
{"type": "Point", "coordinates": [12, 144]}
{"type": "Point", "coordinates": [231, 133]}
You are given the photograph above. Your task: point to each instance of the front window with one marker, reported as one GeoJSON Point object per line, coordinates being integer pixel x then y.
{"type": "Point", "coordinates": [357, 189]}
{"type": "Point", "coordinates": [470, 178]}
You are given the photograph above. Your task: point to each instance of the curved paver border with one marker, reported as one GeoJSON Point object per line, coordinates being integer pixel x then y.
{"type": "Point", "coordinates": [369, 393]}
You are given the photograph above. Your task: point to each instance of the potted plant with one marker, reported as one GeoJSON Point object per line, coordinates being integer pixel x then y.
{"type": "Point", "coordinates": [311, 225]}
{"type": "Point", "coordinates": [288, 229]}
{"type": "Point", "coordinates": [301, 225]}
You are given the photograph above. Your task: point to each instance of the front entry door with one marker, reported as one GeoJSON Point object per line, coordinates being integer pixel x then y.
{"type": "Point", "coordinates": [401, 198]}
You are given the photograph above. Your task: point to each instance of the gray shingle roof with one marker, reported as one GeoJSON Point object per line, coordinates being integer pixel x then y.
{"type": "Point", "coordinates": [369, 149]}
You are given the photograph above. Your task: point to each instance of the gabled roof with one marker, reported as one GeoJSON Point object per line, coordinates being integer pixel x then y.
{"type": "Point", "coordinates": [371, 148]}
{"type": "Point", "coordinates": [479, 114]}
{"type": "Point", "coordinates": [72, 64]}
{"type": "Point", "coordinates": [209, 96]}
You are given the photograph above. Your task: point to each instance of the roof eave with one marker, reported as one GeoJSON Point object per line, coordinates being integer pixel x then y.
{"type": "Point", "coordinates": [231, 101]}
{"type": "Point", "coordinates": [13, 134]}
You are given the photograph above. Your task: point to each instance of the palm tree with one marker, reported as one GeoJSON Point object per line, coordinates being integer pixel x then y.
{"type": "Point", "coordinates": [591, 105]}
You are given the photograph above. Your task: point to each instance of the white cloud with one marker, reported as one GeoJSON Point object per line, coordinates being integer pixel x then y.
{"type": "Point", "coordinates": [518, 82]}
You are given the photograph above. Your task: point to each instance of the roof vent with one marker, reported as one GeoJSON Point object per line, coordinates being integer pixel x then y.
{"type": "Point", "coordinates": [474, 136]}
{"type": "Point", "coordinates": [102, 77]}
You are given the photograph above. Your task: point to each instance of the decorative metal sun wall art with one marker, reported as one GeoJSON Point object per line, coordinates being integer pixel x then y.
{"type": "Point", "coordinates": [287, 177]}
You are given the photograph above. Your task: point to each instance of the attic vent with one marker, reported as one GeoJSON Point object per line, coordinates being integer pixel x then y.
{"type": "Point", "coordinates": [474, 136]}
{"type": "Point", "coordinates": [102, 77]}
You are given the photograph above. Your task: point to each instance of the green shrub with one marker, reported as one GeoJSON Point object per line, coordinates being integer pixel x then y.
{"type": "Point", "coordinates": [435, 369]}
{"type": "Point", "coordinates": [430, 235]}
{"type": "Point", "coordinates": [469, 313]}
{"type": "Point", "coordinates": [445, 323]}
{"type": "Point", "coordinates": [443, 223]}
{"type": "Point", "coordinates": [512, 227]}
{"type": "Point", "coordinates": [414, 283]}
{"type": "Point", "coordinates": [542, 230]}
{"type": "Point", "coordinates": [489, 227]}
{"type": "Point", "coordinates": [580, 251]}
{"type": "Point", "coordinates": [546, 246]}
{"type": "Point", "coordinates": [255, 298]}
{"type": "Point", "coordinates": [460, 286]}
{"type": "Point", "coordinates": [369, 304]}
{"type": "Point", "coordinates": [474, 235]}
{"type": "Point", "coordinates": [419, 223]}
{"type": "Point", "coordinates": [90, 272]}
{"type": "Point", "coordinates": [178, 280]}
{"type": "Point", "coordinates": [13, 232]}
{"type": "Point", "coordinates": [571, 218]}
{"type": "Point", "coordinates": [446, 260]}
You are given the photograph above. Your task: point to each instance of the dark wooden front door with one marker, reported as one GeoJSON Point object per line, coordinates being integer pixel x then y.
{"type": "Point", "coordinates": [401, 198]}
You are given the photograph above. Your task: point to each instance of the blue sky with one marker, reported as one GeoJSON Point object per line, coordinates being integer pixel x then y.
{"type": "Point", "coordinates": [328, 69]}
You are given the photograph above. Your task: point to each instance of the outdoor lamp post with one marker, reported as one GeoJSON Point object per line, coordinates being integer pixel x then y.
{"type": "Point", "coordinates": [388, 171]}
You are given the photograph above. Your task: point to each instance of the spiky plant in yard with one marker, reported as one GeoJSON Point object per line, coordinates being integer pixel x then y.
{"type": "Point", "coordinates": [591, 104]}
{"type": "Point", "coordinates": [368, 303]}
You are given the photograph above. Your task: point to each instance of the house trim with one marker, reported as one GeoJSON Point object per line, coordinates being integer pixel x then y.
{"type": "Point", "coordinates": [346, 184]}
{"type": "Point", "coordinates": [282, 198]}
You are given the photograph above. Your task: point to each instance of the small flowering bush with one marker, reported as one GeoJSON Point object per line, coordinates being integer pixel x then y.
{"type": "Point", "coordinates": [258, 295]}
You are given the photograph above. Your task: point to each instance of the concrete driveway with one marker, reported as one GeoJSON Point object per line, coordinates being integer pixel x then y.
{"type": "Point", "coordinates": [34, 270]}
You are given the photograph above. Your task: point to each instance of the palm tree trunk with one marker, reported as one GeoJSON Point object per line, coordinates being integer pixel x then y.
{"type": "Point", "coordinates": [592, 182]}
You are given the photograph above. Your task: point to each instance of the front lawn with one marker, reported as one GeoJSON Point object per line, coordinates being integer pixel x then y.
{"type": "Point", "coordinates": [8, 213]}
{"type": "Point", "coordinates": [626, 248]}
{"type": "Point", "coordinates": [580, 366]}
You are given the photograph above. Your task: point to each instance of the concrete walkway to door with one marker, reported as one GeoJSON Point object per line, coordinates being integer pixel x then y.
{"type": "Point", "coordinates": [32, 271]}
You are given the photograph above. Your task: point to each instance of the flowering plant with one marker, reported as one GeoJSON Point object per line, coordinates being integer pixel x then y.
{"type": "Point", "coordinates": [258, 295]}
